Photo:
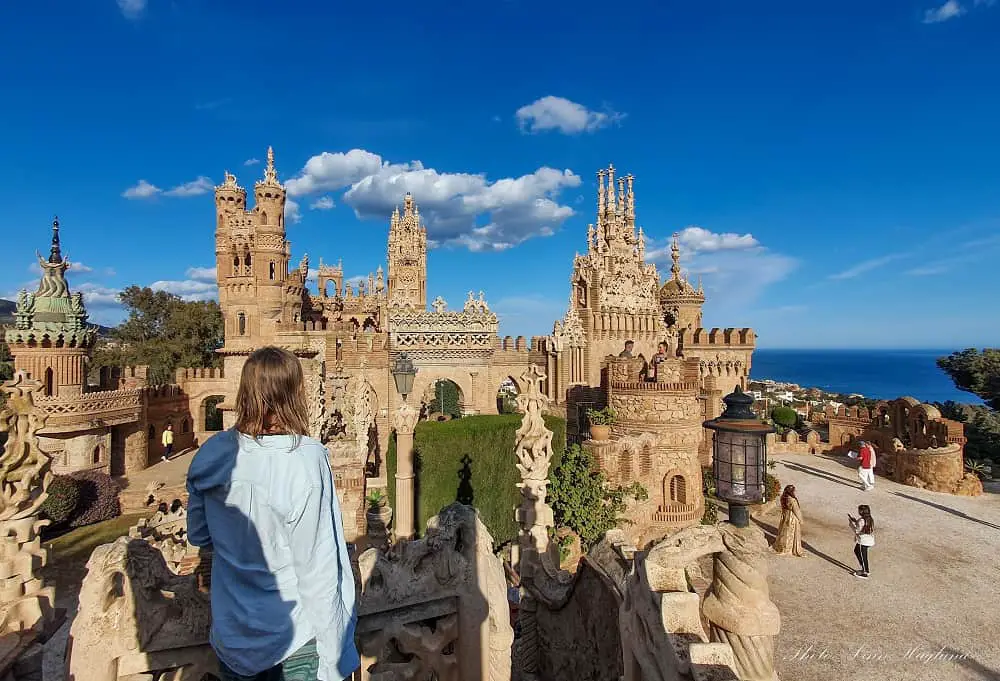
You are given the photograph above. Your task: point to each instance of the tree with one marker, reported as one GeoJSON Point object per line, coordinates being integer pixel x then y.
{"type": "Point", "coordinates": [982, 428]}
{"type": "Point", "coordinates": [583, 500]}
{"type": "Point", "coordinates": [785, 416]}
{"type": "Point", "coordinates": [164, 332]}
{"type": "Point", "coordinates": [976, 372]}
{"type": "Point", "coordinates": [6, 361]}
{"type": "Point", "coordinates": [445, 399]}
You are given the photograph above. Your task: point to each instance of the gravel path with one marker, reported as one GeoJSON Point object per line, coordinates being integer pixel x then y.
{"type": "Point", "coordinates": [931, 609]}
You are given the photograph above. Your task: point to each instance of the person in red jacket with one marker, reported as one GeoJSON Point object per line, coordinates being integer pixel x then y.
{"type": "Point", "coordinates": [866, 469]}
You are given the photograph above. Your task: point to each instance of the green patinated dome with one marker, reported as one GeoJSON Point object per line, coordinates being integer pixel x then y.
{"type": "Point", "coordinates": [51, 313]}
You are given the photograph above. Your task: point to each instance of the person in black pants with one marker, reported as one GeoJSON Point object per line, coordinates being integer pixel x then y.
{"type": "Point", "coordinates": [864, 538]}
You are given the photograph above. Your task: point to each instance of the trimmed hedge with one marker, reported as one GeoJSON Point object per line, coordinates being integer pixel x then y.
{"type": "Point", "coordinates": [98, 498]}
{"type": "Point", "coordinates": [471, 460]}
{"type": "Point", "coordinates": [785, 416]}
{"type": "Point", "coordinates": [62, 500]}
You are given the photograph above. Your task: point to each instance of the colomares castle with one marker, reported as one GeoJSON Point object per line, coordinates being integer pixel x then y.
{"type": "Point", "coordinates": [665, 596]}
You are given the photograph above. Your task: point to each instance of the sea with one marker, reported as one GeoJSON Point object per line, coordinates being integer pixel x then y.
{"type": "Point", "coordinates": [878, 374]}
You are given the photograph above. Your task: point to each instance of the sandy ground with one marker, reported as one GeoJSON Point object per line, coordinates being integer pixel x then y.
{"type": "Point", "coordinates": [931, 609]}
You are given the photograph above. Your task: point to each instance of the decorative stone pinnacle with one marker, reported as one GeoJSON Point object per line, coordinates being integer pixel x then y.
{"type": "Point", "coordinates": [270, 174]}
{"type": "Point", "coordinates": [675, 255]}
{"type": "Point", "coordinates": [55, 255]}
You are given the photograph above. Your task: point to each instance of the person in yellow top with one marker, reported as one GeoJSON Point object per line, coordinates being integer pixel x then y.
{"type": "Point", "coordinates": [168, 441]}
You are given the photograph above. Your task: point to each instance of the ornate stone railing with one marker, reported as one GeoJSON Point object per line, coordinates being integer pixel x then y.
{"type": "Point", "coordinates": [676, 513]}
{"type": "Point", "coordinates": [651, 386]}
{"type": "Point", "coordinates": [118, 405]}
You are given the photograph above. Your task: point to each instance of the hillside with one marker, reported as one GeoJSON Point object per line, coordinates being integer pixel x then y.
{"type": "Point", "coordinates": [7, 308]}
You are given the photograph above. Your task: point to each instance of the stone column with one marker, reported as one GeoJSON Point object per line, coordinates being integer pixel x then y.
{"type": "Point", "coordinates": [405, 421]}
{"type": "Point", "coordinates": [738, 605]}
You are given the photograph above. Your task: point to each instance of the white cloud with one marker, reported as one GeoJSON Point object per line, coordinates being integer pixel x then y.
{"type": "Point", "coordinates": [949, 10]}
{"type": "Point", "coordinates": [188, 289]}
{"type": "Point", "coordinates": [143, 190]}
{"type": "Point", "coordinates": [322, 203]}
{"type": "Point", "coordinates": [251, 161]}
{"type": "Point", "coordinates": [461, 209]}
{"type": "Point", "coordinates": [98, 296]}
{"type": "Point", "coordinates": [559, 113]}
{"type": "Point", "coordinates": [205, 274]}
{"type": "Point", "coordinates": [132, 9]}
{"type": "Point", "coordinates": [329, 171]}
{"type": "Point", "coordinates": [736, 269]}
{"type": "Point", "coordinates": [701, 240]}
{"type": "Point", "coordinates": [292, 212]}
{"type": "Point", "coordinates": [867, 266]}
{"type": "Point", "coordinates": [146, 190]}
{"type": "Point", "coordinates": [197, 187]}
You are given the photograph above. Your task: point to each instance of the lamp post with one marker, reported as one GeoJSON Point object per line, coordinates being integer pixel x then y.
{"type": "Point", "coordinates": [739, 455]}
{"type": "Point", "coordinates": [403, 373]}
{"type": "Point", "coordinates": [738, 605]}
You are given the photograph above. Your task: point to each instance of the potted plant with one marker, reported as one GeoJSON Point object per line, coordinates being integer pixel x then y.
{"type": "Point", "coordinates": [600, 423]}
{"type": "Point", "coordinates": [379, 513]}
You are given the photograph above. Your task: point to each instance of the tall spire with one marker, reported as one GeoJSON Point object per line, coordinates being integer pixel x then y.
{"type": "Point", "coordinates": [270, 174]}
{"type": "Point", "coordinates": [600, 194]}
{"type": "Point", "coordinates": [55, 255]}
{"type": "Point", "coordinates": [611, 208]}
{"type": "Point", "coordinates": [675, 255]}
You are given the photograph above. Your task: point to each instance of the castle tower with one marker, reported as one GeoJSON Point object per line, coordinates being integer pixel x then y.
{"type": "Point", "coordinates": [51, 340]}
{"type": "Point", "coordinates": [680, 301]}
{"type": "Point", "coordinates": [407, 258]}
{"type": "Point", "coordinates": [251, 256]}
{"type": "Point", "coordinates": [614, 290]}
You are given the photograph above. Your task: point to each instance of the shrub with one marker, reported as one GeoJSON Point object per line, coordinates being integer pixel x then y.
{"type": "Point", "coordinates": [470, 460]}
{"type": "Point", "coordinates": [711, 514]}
{"type": "Point", "coordinates": [583, 500]}
{"type": "Point", "coordinates": [785, 416]}
{"type": "Point", "coordinates": [63, 498]}
{"type": "Point", "coordinates": [601, 417]}
{"type": "Point", "coordinates": [98, 499]}
{"type": "Point", "coordinates": [772, 487]}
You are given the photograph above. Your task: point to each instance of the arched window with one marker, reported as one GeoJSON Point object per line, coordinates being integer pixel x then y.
{"type": "Point", "coordinates": [270, 269]}
{"type": "Point", "coordinates": [185, 426]}
{"type": "Point", "coordinates": [263, 218]}
{"type": "Point", "coordinates": [49, 383]}
{"type": "Point", "coordinates": [246, 259]}
{"type": "Point", "coordinates": [97, 454]}
{"type": "Point", "coordinates": [241, 323]}
{"type": "Point", "coordinates": [678, 490]}
{"type": "Point", "coordinates": [152, 433]}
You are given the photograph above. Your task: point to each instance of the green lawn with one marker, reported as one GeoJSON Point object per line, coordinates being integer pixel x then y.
{"type": "Point", "coordinates": [76, 545]}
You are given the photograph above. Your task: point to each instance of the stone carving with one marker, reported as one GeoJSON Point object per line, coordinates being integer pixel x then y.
{"type": "Point", "coordinates": [363, 406]}
{"type": "Point", "coordinates": [25, 309]}
{"type": "Point", "coordinates": [53, 283]}
{"type": "Point", "coordinates": [660, 620]}
{"type": "Point", "coordinates": [439, 305]}
{"type": "Point", "coordinates": [569, 333]}
{"type": "Point", "coordinates": [137, 617]}
{"type": "Point", "coordinates": [533, 449]}
{"type": "Point", "coordinates": [738, 605]}
{"type": "Point", "coordinates": [403, 605]}
{"type": "Point", "coordinates": [26, 604]}
{"type": "Point", "coordinates": [166, 530]}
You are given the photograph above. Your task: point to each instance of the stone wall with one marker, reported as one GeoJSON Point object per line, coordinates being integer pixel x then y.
{"type": "Point", "coordinates": [940, 469]}
{"type": "Point", "coordinates": [78, 451]}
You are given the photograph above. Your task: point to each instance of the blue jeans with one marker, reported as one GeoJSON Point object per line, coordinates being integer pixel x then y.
{"type": "Point", "coordinates": [302, 665]}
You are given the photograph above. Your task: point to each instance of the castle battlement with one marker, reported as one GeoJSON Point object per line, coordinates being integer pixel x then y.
{"type": "Point", "coordinates": [742, 338]}
{"type": "Point", "coordinates": [195, 373]}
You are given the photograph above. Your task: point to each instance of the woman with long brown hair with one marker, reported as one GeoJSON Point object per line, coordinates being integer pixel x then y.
{"type": "Point", "coordinates": [789, 538]}
{"type": "Point", "coordinates": [261, 495]}
{"type": "Point", "coordinates": [864, 538]}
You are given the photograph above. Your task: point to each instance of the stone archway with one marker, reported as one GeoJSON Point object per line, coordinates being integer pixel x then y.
{"type": "Point", "coordinates": [508, 390]}
{"type": "Point", "coordinates": [209, 416]}
{"type": "Point", "coordinates": [444, 399]}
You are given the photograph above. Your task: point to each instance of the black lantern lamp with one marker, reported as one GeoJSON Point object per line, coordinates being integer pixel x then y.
{"type": "Point", "coordinates": [403, 373]}
{"type": "Point", "coordinates": [739, 455]}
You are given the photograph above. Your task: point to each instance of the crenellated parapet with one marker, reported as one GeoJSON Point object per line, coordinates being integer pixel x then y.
{"type": "Point", "coordinates": [730, 337]}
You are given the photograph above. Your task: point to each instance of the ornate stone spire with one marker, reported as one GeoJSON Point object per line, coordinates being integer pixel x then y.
{"type": "Point", "coordinates": [55, 255]}
{"type": "Point", "coordinates": [675, 256]}
{"type": "Point", "coordinates": [270, 174]}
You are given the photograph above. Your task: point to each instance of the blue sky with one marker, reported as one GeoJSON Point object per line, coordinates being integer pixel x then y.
{"type": "Point", "coordinates": [832, 167]}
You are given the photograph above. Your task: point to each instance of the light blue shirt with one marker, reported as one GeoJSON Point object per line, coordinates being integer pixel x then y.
{"type": "Point", "coordinates": [281, 575]}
